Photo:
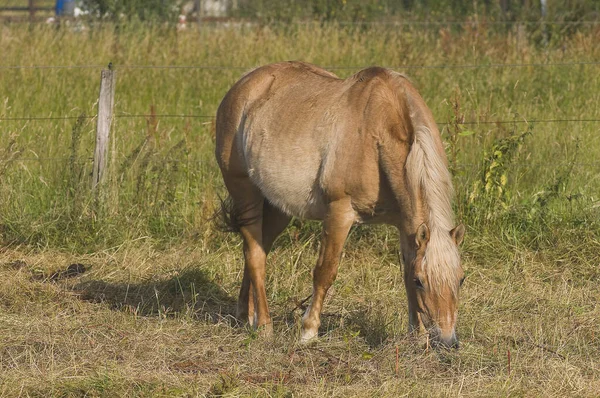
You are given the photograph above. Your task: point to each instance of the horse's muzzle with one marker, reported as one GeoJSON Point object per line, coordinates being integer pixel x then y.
{"type": "Point", "coordinates": [450, 342]}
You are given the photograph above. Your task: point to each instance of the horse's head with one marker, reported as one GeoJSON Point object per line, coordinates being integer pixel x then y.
{"type": "Point", "coordinates": [433, 281]}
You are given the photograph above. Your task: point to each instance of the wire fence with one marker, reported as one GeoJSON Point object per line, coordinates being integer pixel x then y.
{"type": "Point", "coordinates": [472, 22]}
{"type": "Point", "coordinates": [124, 115]}
{"type": "Point", "coordinates": [224, 21]}
{"type": "Point", "coordinates": [466, 168]}
{"type": "Point", "coordinates": [463, 165]}
{"type": "Point", "coordinates": [332, 67]}
{"type": "Point", "coordinates": [212, 117]}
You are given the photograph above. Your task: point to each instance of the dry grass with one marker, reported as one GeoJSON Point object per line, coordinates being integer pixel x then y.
{"type": "Point", "coordinates": [141, 322]}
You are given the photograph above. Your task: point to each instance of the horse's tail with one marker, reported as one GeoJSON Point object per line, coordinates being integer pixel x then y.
{"type": "Point", "coordinates": [224, 217]}
{"type": "Point", "coordinates": [229, 218]}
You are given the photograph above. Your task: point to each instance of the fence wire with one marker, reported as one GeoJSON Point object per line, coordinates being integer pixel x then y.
{"type": "Point", "coordinates": [331, 67]}
{"type": "Point", "coordinates": [212, 117]}
{"type": "Point", "coordinates": [125, 115]}
{"type": "Point", "coordinates": [404, 23]}
{"type": "Point", "coordinates": [459, 165]}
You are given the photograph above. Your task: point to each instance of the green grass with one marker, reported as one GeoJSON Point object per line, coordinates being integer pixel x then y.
{"type": "Point", "coordinates": [163, 178]}
{"type": "Point", "coordinates": [152, 315]}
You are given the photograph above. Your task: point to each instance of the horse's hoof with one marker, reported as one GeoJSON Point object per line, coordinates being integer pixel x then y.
{"type": "Point", "coordinates": [308, 335]}
{"type": "Point", "coordinates": [265, 331]}
{"type": "Point", "coordinates": [244, 318]}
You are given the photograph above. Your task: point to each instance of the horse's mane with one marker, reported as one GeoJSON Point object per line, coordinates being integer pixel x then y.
{"type": "Point", "coordinates": [428, 178]}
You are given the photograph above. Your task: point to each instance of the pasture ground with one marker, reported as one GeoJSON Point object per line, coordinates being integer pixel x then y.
{"type": "Point", "coordinates": [147, 322]}
{"type": "Point", "coordinates": [134, 296]}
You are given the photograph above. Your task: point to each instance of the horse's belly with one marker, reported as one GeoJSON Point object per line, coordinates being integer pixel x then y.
{"type": "Point", "coordinates": [296, 194]}
{"type": "Point", "coordinates": [289, 180]}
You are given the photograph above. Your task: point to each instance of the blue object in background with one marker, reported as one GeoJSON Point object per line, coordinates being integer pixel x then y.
{"type": "Point", "coordinates": [65, 7]}
{"type": "Point", "coordinates": [60, 5]}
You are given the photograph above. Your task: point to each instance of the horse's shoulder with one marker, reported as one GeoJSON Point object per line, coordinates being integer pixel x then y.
{"type": "Point", "coordinates": [384, 91]}
{"type": "Point", "coordinates": [382, 80]}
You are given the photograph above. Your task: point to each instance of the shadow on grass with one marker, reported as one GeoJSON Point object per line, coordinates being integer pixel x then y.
{"type": "Point", "coordinates": [360, 324]}
{"type": "Point", "coordinates": [190, 293]}
{"type": "Point", "coordinates": [367, 323]}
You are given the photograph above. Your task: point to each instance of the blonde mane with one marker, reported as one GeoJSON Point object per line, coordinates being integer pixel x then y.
{"type": "Point", "coordinates": [428, 175]}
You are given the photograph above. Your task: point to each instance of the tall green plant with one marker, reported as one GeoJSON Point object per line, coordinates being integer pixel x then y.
{"type": "Point", "coordinates": [489, 195]}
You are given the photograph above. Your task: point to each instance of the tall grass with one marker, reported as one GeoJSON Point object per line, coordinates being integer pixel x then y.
{"type": "Point", "coordinates": [163, 181]}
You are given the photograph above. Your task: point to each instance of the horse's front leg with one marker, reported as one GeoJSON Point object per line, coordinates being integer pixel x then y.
{"type": "Point", "coordinates": [340, 217]}
{"type": "Point", "coordinates": [415, 325]}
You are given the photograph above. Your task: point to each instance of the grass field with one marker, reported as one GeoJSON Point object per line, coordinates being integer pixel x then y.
{"type": "Point", "coordinates": [148, 312]}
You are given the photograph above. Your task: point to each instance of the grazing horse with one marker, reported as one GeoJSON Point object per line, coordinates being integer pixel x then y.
{"type": "Point", "coordinates": [293, 139]}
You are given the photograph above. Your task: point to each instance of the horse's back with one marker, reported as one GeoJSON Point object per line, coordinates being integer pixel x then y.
{"type": "Point", "coordinates": [256, 93]}
{"type": "Point", "coordinates": [304, 136]}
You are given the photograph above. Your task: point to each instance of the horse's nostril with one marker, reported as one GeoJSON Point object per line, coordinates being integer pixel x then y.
{"type": "Point", "coordinates": [450, 343]}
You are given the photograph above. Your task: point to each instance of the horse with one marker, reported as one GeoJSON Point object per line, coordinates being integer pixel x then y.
{"type": "Point", "coordinates": [294, 140]}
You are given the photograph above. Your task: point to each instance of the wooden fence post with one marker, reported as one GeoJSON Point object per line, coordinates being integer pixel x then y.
{"type": "Point", "coordinates": [106, 102]}
{"type": "Point", "coordinates": [31, 10]}
{"type": "Point", "coordinates": [198, 7]}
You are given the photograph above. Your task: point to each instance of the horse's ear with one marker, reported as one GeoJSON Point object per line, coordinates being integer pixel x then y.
{"type": "Point", "coordinates": [422, 236]}
{"type": "Point", "coordinates": [458, 233]}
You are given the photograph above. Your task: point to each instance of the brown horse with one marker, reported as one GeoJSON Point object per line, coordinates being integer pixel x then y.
{"type": "Point", "coordinates": [295, 140]}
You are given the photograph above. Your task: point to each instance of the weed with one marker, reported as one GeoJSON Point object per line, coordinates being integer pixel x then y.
{"type": "Point", "coordinates": [226, 384]}
{"type": "Point", "coordinates": [489, 196]}
{"type": "Point", "coordinates": [9, 155]}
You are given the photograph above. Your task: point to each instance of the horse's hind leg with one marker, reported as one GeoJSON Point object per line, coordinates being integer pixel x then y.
{"type": "Point", "coordinates": [248, 208]}
{"type": "Point", "coordinates": [274, 222]}
{"type": "Point", "coordinates": [336, 226]}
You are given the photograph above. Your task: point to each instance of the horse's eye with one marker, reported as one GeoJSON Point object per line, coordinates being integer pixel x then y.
{"type": "Point", "coordinates": [462, 281]}
{"type": "Point", "coordinates": [418, 283]}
